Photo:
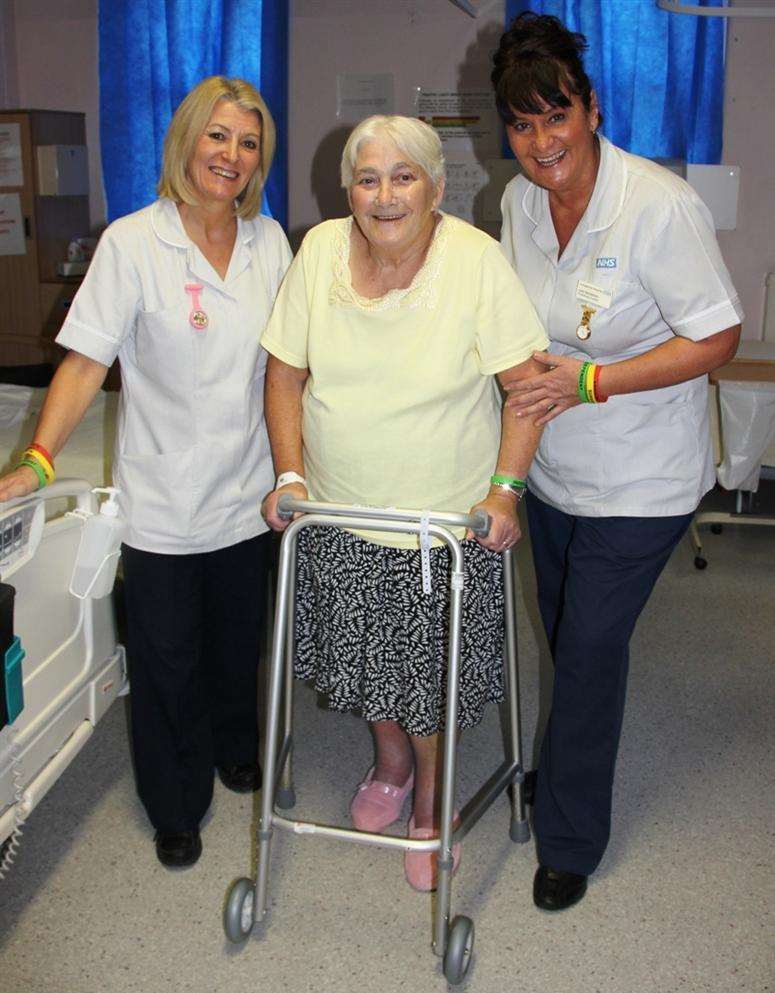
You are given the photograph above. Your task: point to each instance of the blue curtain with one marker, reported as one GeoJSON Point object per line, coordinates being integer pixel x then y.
{"type": "Point", "coordinates": [659, 76]}
{"type": "Point", "coordinates": [152, 52]}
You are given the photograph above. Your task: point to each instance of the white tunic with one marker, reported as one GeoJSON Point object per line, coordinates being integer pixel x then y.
{"type": "Point", "coordinates": [192, 455]}
{"type": "Point", "coordinates": [646, 240]}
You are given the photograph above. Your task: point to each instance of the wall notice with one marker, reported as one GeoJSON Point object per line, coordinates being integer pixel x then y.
{"type": "Point", "coordinates": [11, 171]}
{"type": "Point", "coordinates": [360, 95]}
{"type": "Point", "coordinates": [466, 121]}
{"type": "Point", "coordinates": [11, 225]}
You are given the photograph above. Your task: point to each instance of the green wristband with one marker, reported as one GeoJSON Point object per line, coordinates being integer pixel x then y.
{"type": "Point", "coordinates": [520, 484]}
{"type": "Point", "coordinates": [582, 391]}
{"type": "Point", "coordinates": [38, 469]}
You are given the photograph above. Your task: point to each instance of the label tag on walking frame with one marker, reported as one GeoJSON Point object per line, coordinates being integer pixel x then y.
{"type": "Point", "coordinates": [425, 553]}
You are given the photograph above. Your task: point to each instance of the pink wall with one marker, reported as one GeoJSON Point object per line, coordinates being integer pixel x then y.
{"type": "Point", "coordinates": [422, 42]}
{"type": "Point", "coordinates": [56, 55]}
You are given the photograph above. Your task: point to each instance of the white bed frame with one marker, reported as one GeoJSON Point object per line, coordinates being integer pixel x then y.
{"type": "Point", "coordinates": [74, 667]}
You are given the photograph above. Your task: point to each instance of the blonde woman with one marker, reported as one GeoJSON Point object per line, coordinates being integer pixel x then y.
{"type": "Point", "coordinates": [179, 292]}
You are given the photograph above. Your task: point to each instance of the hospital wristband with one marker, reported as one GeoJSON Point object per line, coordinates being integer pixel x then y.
{"type": "Point", "coordinates": [286, 478]}
{"type": "Point", "coordinates": [37, 469]}
{"type": "Point", "coordinates": [47, 467]}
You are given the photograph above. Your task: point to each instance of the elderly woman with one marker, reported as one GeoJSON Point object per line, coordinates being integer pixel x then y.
{"type": "Point", "coordinates": [180, 292]}
{"type": "Point", "coordinates": [385, 340]}
{"type": "Point", "coordinates": [620, 259]}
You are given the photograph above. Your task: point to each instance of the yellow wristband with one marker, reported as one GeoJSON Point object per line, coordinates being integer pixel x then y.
{"type": "Point", "coordinates": [42, 461]}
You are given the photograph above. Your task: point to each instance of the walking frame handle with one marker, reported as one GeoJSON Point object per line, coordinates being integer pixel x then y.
{"type": "Point", "coordinates": [478, 522]}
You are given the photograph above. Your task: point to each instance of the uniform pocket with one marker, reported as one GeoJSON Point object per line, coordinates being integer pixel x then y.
{"type": "Point", "coordinates": [165, 348]}
{"type": "Point", "coordinates": [157, 494]}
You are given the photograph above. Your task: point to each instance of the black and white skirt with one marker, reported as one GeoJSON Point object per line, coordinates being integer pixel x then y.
{"type": "Point", "coordinates": [372, 641]}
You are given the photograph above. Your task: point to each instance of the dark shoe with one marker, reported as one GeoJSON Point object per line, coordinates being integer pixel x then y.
{"type": "Point", "coordinates": [177, 849]}
{"type": "Point", "coordinates": [554, 889]}
{"type": "Point", "coordinates": [241, 778]}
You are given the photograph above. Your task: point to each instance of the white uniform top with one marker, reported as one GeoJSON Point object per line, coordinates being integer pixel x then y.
{"type": "Point", "coordinates": [192, 455]}
{"type": "Point", "coordinates": [647, 240]}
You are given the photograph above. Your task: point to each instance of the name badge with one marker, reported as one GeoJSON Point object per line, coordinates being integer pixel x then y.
{"type": "Point", "coordinates": [592, 295]}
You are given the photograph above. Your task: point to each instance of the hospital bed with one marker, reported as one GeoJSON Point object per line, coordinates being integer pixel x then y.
{"type": "Point", "coordinates": [74, 666]}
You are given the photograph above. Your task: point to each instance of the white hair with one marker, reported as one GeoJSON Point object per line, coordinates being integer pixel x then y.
{"type": "Point", "coordinates": [413, 138]}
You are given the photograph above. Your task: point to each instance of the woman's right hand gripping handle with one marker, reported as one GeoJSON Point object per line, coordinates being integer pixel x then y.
{"type": "Point", "coordinates": [18, 483]}
{"type": "Point", "coordinates": [269, 507]}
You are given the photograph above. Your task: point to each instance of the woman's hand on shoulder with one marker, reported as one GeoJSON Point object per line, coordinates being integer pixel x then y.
{"type": "Point", "coordinates": [548, 395]}
{"type": "Point", "coordinates": [504, 523]}
{"type": "Point", "coordinates": [269, 507]}
{"type": "Point", "coordinates": [18, 483]}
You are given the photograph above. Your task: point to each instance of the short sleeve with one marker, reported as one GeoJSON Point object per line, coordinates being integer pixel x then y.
{"type": "Point", "coordinates": [287, 332]}
{"type": "Point", "coordinates": [683, 270]}
{"type": "Point", "coordinates": [508, 328]}
{"type": "Point", "coordinates": [105, 307]}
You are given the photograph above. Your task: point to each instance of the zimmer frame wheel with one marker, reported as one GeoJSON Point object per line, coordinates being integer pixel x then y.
{"type": "Point", "coordinates": [460, 946]}
{"type": "Point", "coordinates": [239, 912]}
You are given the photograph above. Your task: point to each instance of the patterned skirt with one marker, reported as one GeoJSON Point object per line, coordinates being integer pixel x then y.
{"type": "Point", "coordinates": [372, 641]}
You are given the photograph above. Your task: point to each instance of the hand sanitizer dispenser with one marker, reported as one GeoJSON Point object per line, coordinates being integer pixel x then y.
{"type": "Point", "coordinates": [97, 559]}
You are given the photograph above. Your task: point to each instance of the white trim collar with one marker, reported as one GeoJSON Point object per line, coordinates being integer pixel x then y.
{"type": "Point", "coordinates": [168, 226]}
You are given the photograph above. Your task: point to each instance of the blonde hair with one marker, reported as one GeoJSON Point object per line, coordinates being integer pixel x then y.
{"type": "Point", "coordinates": [413, 138]}
{"type": "Point", "coordinates": [187, 125]}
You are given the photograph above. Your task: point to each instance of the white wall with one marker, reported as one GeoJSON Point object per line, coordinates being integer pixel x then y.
{"type": "Point", "coordinates": [53, 65]}
{"type": "Point", "coordinates": [749, 141]}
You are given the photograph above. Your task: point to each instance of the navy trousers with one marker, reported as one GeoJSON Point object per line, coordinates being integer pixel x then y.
{"type": "Point", "coordinates": [194, 625]}
{"type": "Point", "coordinates": [594, 576]}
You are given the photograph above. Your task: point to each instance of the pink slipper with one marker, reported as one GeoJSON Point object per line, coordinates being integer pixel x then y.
{"type": "Point", "coordinates": [422, 868]}
{"type": "Point", "coordinates": [376, 805]}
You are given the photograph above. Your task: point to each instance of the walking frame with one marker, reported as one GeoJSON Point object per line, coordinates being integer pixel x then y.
{"type": "Point", "coordinates": [246, 902]}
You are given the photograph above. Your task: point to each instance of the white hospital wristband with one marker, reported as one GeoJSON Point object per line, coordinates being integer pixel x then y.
{"type": "Point", "coordinates": [285, 478]}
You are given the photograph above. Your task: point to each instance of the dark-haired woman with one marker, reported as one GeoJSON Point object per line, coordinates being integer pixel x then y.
{"type": "Point", "coordinates": [620, 260]}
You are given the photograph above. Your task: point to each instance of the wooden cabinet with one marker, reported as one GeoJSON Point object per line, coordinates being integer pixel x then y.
{"type": "Point", "coordinates": [34, 298]}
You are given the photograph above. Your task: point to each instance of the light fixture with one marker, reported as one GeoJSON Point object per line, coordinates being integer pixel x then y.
{"type": "Point", "coordinates": [467, 6]}
{"type": "Point", "coordinates": [680, 7]}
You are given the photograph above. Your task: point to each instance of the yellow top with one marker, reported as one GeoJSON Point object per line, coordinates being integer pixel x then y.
{"type": "Point", "coordinates": [401, 407]}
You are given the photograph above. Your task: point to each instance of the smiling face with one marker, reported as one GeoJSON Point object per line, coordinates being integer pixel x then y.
{"type": "Point", "coordinates": [392, 198]}
{"type": "Point", "coordinates": [557, 148]}
{"type": "Point", "coordinates": [227, 153]}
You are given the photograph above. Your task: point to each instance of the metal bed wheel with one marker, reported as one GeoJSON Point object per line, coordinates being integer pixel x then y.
{"type": "Point", "coordinates": [238, 915]}
{"type": "Point", "coordinates": [700, 562]}
{"type": "Point", "coordinates": [460, 946]}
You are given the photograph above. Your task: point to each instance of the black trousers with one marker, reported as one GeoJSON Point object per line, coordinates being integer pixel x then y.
{"type": "Point", "coordinates": [194, 625]}
{"type": "Point", "coordinates": [594, 576]}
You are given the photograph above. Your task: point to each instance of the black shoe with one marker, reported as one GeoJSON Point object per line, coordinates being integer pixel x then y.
{"type": "Point", "coordinates": [178, 849]}
{"type": "Point", "coordinates": [241, 778]}
{"type": "Point", "coordinates": [554, 889]}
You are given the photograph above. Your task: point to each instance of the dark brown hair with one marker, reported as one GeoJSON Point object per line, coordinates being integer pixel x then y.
{"type": "Point", "coordinates": [537, 64]}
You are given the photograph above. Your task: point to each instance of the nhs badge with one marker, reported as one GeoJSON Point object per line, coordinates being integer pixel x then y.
{"type": "Point", "coordinates": [605, 262]}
